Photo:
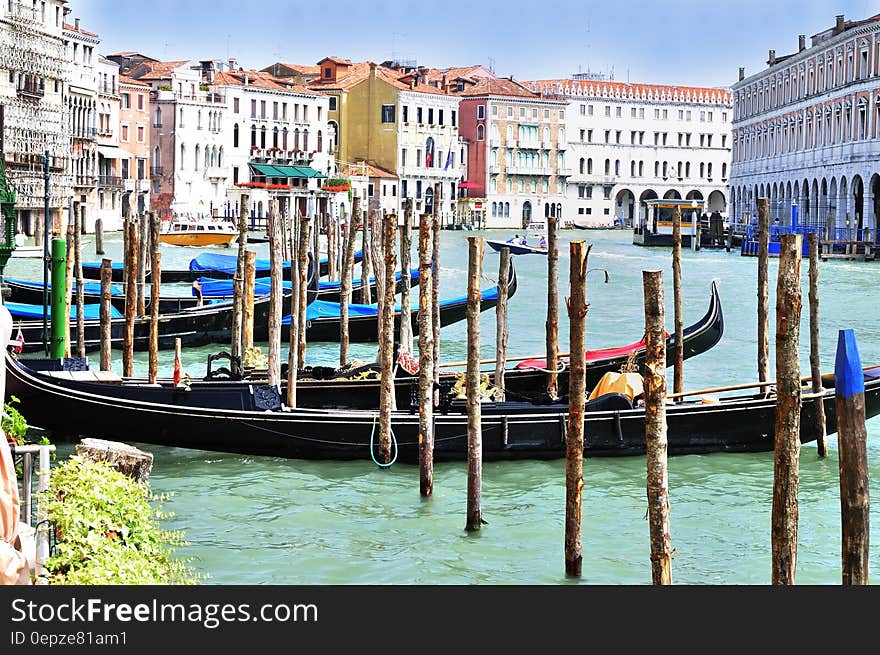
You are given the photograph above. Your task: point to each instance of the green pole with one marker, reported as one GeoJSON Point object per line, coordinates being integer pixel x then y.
{"type": "Point", "coordinates": [60, 319]}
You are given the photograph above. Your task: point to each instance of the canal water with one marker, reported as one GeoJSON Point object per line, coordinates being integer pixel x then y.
{"type": "Point", "coordinates": [259, 520]}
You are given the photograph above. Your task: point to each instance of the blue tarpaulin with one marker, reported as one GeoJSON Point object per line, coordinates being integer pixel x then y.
{"type": "Point", "coordinates": [32, 312]}
{"type": "Point", "coordinates": [229, 263]}
{"type": "Point", "coordinates": [117, 266]}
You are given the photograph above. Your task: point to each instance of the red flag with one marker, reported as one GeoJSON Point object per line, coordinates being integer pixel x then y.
{"type": "Point", "coordinates": [18, 348]}
{"type": "Point", "coordinates": [176, 367]}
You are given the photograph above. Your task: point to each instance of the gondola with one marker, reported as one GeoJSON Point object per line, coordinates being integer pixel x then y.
{"type": "Point", "coordinates": [252, 421]}
{"type": "Point", "coordinates": [212, 265]}
{"type": "Point", "coordinates": [194, 326]}
{"type": "Point", "coordinates": [516, 248]}
{"type": "Point", "coordinates": [323, 318]}
{"type": "Point", "coordinates": [31, 293]}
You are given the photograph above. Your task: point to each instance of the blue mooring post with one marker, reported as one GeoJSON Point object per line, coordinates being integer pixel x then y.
{"type": "Point", "coordinates": [794, 216]}
{"type": "Point", "coordinates": [852, 435]}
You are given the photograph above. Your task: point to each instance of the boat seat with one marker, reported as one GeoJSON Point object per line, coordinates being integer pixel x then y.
{"type": "Point", "coordinates": [107, 377]}
{"type": "Point", "coordinates": [610, 402]}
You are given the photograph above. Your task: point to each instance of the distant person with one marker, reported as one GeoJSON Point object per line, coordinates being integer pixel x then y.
{"type": "Point", "coordinates": [543, 242]}
{"type": "Point", "coordinates": [513, 239]}
{"type": "Point", "coordinates": [524, 241]}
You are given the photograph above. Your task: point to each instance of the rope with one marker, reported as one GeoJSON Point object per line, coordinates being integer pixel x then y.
{"type": "Point", "coordinates": [562, 366]}
{"type": "Point", "coordinates": [372, 439]}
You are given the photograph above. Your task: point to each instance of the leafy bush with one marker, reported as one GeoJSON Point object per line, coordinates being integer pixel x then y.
{"type": "Point", "coordinates": [107, 530]}
{"type": "Point", "coordinates": [13, 424]}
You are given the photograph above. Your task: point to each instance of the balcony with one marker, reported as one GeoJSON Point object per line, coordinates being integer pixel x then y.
{"type": "Point", "coordinates": [156, 171]}
{"type": "Point", "coordinates": [84, 182]}
{"type": "Point", "coordinates": [157, 124]}
{"type": "Point", "coordinates": [528, 170]}
{"type": "Point", "coordinates": [529, 144]}
{"type": "Point", "coordinates": [494, 170]}
{"type": "Point", "coordinates": [564, 172]}
{"type": "Point", "coordinates": [109, 182]}
{"type": "Point", "coordinates": [32, 91]}
{"type": "Point", "coordinates": [130, 185]}
{"type": "Point", "coordinates": [216, 174]}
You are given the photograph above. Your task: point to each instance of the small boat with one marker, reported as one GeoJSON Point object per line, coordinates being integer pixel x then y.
{"type": "Point", "coordinates": [199, 233]}
{"type": "Point", "coordinates": [251, 419]}
{"type": "Point", "coordinates": [28, 252]}
{"type": "Point", "coordinates": [516, 248]}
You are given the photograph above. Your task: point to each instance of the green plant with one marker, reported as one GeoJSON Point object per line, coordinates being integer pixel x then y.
{"type": "Point", "coordinates": [165, 87]}
{"type": "Point", "coordinates": [13, 423]}
{"type": "Point", "coordinates": [108, 532]}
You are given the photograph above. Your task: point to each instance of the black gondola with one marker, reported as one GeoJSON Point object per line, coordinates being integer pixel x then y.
{"type": "Point", "coordinates": [510, 430]}
{"type": "Point", "coordinates": [323, 325]}
{"type": "Point", "coordinates": [225, 271]}
{"type": "Point", "coordinates": [194, 326]}
{"type": "Point", "coordinates": [358, 388]}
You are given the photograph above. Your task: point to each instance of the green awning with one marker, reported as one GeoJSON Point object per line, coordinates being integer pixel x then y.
{"type": "Point", "coordinates": [299, 172]}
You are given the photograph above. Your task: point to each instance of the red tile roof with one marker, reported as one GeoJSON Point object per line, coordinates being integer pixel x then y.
{"type": "Point", "coordinates": [501, 86]}
{"type": "Point", "coordinates": [128, 81]}
{"type": "Point", "coordinates": [363, 169]}
{"type": "Point", "coordinates": [303, 69]}
{"type": "Point", "coordinates": [360, 71]}
{"type": "Point", "coordinates": [336, 60]}
{"type": "Point", "coordinates": [73, 28]}
{"type": "Point", "coordinates": [155, 70]}
{"type": "Point", "coordinates": [469, 73]}
{"type": "Point", "coordinates": [260, 80]}
{"type": "Point", "coordinates": [601, 88]}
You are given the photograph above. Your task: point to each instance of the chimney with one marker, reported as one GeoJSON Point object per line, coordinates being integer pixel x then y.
{"type": "Point", "coordinates": [771, 57]}
{"type": "Point", "coordinates": [742, 73]}
{"type": "Point", "coordinates": [247, 79]}
{"type": "Point", "coordinates": [802, 42]}
{"type": "Point", "coordinates": [76, 24]}
{"type": "Point", "coordinates": [373, 71]}
{"type": "Point", "coordinates": [838, 27]}
{"type": "Point", "coordinates": [233, 64]}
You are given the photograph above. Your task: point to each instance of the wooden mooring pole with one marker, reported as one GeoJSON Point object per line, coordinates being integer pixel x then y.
{"type": "Point", "coordinates": [426, 361]}
{"type": "Point", "coordinates": [367, 258]}
{"type": "Point", "coordinates": [763, 291]}
{"type": "Point", "coordinates": [131, 267]}
{"type": "Point", "coordinates": [574, 444]}
{"type": "Point", "coordinates": [678, 343]}
{"type": "Point", "coordinates": [350, 243]}
{"type": "Point", "coordinates": [293, 336]}
{"type": "Point", "coordinates": [303, 236]}
{"type": "Point", "coordinates": [815, 363]}
{"type": "Point", "coordinates": [99, 236]}
{"type": "Point", "coordinates": [247, 305]}
{"type": "Point", "coordinates": [552, 308]}
{"type": "Point", "coordinates": [502, 331]}
{"type": "Point", "coordinates": [386, 340]}
{"type": "Point", "coordinates": [142, 240]}
{"type": "Point", "coordinates": [474, 406]}
{"type": "Point", "coordinates": [435, 294]}
{"type": "Point", "coordinates": [238, 283]}
{"type": "Point", "coordinates": [784, 530]}
{"type": "Point", "coordinates": [406, 331]}
{"type": "Point", "coordinates": [656, 441]}
{"type": "Point", "coordinates": [106, 313]}
{"type": "Point", "coordinates": [80, 287]}
{"type": "Point", "coordinates": [155, 286]}
{"type": "Point", "coordinates": [69, 301]}
{"type": "Point", "coordinates": [276, 293]}
{"type": "Point", "coordinates": [853, 460]}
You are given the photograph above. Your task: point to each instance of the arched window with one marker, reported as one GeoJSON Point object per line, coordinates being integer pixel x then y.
{"type": "Point", "coordinates": [263, 137]}
{"type": "Point", "coordinates": [509, 134]}
{"type": "Point", "coordinates": [284, 139]}
{"type": "Point", "coordinates": [583, 166]}
{"type": "Point", "coordinates": [158, 117]}
{"type": "Point", "coordinates": [506, 209]}
{"type": "Point", "coordinates": [156, 156]}
{"type": "Point", "coordinates": [607, 167]}
{"type": "Point", "coordinates": [509, 188]}
{"type": "Point", "coordinates": [181, 117]}
{"type": "Point", "coordinates": [493, 185]}
{"type": "Point", "coordinates": [320, 141]}
{"type": "Point", "coordinates": [235, 135]}
{"type": "Point", "coordinates": [199, 119]}
{"type": "Point", "coordinates": [494, 132]}
{"type": "Point", "coordinates": [306, 140]}
{"type": "Point", "coordinates": [641, 169]}
{"type": "Point", "coordinates": [561, 135]}
{"type": "Point", "coordinates": [296, 139]}
{"type": "Point", "coordinates": [207, 157]}
{"type": "Point", "coordinates": [481, 133]}
{"type": "Point", "coordinates": [494, 209]}
{"type": "Point", "coordinates": [546, 137]}
{"type": "Point", "coordinates": [494, 157]}
{"type": "Point", "coordinates": [275, 137]}
{"type": "Point", "coordinates": [632, 169]}
{"type": "Point", "coordinates": [198, 152]}
{"type": "Point", "coordinates": [220, 158]}
{"type": "Point", "coordinates": [182, 156]}
{"type": "Point", "coordinates": [590, 166]}
{"type": "Point", "coordinates": [617, 167]}
{"type": "Point", "coordinates": [687, 169]}
{"type": "Point", "coordinates": [724, 171]}
{"type": "Point", "coordinates": [253, 136]}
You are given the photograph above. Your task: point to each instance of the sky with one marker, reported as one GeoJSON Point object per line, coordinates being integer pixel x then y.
{"type": "Point", "coordinates": [687, 42]}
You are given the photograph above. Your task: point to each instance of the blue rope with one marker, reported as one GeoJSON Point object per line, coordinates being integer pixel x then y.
{"type": "Point", "coordinates": [372, 453]}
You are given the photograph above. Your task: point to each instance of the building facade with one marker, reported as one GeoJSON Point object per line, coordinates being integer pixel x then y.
{"type": "Point", "coordinates": [517, 151]}
{"type": "Point", "coordinates": [81, 98]}
{"type": "Point", "coordinates": [110, 185]}
{"type": "Point", "coordinates": [394, 121]}
{"type": "Point", "coordinates": [136, 168]}
{"type": "Point", "coordinates": [35, 117]}
{"type": "Point", "coordinates": [807, 131]}
{"type": "Point", "coordinates": [630, 143]}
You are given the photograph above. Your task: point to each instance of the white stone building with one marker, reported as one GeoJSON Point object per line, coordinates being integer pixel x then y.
{"type": "Point", "coordinates": [81, 98]}
{"type": "Point", "coordinates": [110, 182]}
{"type": "Point", "coordinates": [629, 143]}
{"type": "Point", "coordinates": [34, 114]}
{"type": "Point", "coordinates": [269, 122]}
{"type": "Point", "coordinates": [807, 131]}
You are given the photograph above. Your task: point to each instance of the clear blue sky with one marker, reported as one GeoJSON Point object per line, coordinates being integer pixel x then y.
{"type": "Point", "coordinates": [697, 42]}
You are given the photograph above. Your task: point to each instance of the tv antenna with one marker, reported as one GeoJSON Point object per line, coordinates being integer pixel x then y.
{"type": "Point", "coordinates": [492, 65]}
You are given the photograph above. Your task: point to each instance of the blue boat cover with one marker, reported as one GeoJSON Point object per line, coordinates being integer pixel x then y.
{"type": "Point", "coordinates": [92, 288]}
{"type": "Point", "coordinates": [117, 266]}
{"type": "Point", "coordinates": [229, 263]}
{"type": "Point", "coordinates": [322, 309]}
{"type": "Point", "coordinates": [92, 312]}
{"type": "Point", "coordinates": [212, 288]}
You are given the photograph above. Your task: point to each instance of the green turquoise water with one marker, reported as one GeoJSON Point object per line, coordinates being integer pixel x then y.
{"type": "Point", "coordinates": [258, 520]}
